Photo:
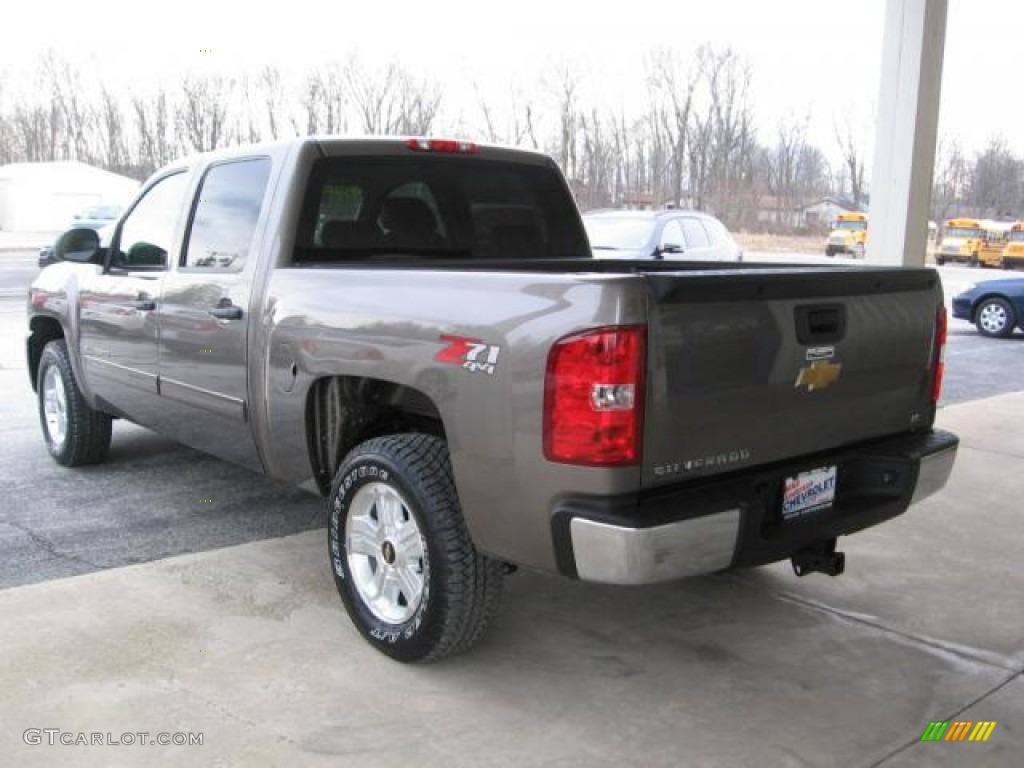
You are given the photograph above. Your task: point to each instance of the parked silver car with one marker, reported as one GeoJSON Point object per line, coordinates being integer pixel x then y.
{"type": "Point", "coordinates": [97, 217]}
{"type": "Point", "coordinates": [666, 234]}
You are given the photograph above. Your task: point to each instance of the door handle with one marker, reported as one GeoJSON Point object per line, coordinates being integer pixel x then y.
{"type": "Point", "coordinates": [144, 305]}
{"type": "Point", "coordinates": [228, 312]}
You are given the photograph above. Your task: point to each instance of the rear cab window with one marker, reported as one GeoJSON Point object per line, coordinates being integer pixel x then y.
{"type": "Point", "coordinates": [439, 207]}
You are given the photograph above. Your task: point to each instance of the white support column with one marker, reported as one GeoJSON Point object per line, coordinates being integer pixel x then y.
{"type": "Point", "coordinates": [908, 117]}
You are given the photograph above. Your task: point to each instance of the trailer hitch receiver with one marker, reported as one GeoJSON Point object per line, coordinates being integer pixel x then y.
{"type": "Point", "coordinates": [819, 558]}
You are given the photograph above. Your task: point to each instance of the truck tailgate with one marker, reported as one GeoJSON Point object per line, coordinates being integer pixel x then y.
{"type": "Point", "coordinates": [747, 368]}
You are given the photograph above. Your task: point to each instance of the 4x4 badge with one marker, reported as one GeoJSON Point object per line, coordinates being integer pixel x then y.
{"type": "Point", "coordinates": [472, 354]}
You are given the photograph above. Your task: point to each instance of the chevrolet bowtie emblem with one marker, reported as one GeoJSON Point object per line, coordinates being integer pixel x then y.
{"type": "Point", "coordinates": [818, 375]}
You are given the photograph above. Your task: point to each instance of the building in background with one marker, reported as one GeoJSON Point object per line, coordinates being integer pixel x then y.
{"type": "Point", "coordinates": [43, 197]}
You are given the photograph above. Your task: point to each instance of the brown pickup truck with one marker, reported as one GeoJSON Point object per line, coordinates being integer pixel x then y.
{"type": "Point", "coordinates": [416, 330]}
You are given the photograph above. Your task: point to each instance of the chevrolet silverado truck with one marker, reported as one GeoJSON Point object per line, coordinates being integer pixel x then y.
{"type": "Point", "coordinates": [416, 330]}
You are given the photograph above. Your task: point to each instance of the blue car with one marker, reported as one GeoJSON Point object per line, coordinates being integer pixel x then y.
{"type": "Point", "coordinates": [996, 307]}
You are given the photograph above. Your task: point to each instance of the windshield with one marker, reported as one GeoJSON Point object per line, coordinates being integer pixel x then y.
{"type": "Point", "coordinates": [1017, 236]}
{"type": "Point", "coordinates": [620, 234]}
{"type": "Point", "coordinates": [962, 232]}
{"type": "Point", "coordinates": [851, 225]}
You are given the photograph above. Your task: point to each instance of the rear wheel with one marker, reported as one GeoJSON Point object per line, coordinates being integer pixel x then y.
{"type": "Point", "coordinates": [406, 569]}
{"type": "Point", "coordinates": [75, 433]}
{"type": "Point", "coordinates": [995, 317]}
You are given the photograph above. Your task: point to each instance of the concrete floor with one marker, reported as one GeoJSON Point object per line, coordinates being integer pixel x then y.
{"type": "Point", "coordinates": [250, 647]}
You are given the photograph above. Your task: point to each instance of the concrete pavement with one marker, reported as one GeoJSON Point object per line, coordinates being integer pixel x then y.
{"type": "Point", "coordinates": [249, 646]}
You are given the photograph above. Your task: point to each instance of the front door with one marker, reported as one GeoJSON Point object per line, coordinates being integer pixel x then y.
{"type": "Point", "coordinates": [204, 315]}
{"type": "Point", "coordinates": [117, 325]}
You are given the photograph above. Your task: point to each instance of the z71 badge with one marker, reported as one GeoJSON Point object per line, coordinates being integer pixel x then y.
{"type": "Point", "coordinates": [472, 354]}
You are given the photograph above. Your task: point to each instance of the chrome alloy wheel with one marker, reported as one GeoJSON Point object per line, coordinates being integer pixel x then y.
{"type": "Point", "coordinates": [386, 553]}
{"type": "Point", "coordinates": [55, 406]}
{"type": "Point", "coordinates": [993, 318]}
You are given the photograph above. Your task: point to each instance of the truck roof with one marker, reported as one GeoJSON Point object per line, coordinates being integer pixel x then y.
{"type": "Point", "coordinates": [337, 145]}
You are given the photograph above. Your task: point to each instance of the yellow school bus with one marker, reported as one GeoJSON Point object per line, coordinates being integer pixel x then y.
{"type": "Point", "coordinates": [993, 244]}
{"type": "Point", "coordinates": [849, 235]}
{"type": "Point", "coordinates": [961, 241]}
{"type": "Point", "coordinates": [1013, 253]}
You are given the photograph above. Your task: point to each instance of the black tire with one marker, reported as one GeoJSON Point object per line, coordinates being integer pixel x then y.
{"type": "Point", "coordinates": [830, 252]}
{"type": "Point", "coordinates": [461, 589]}
{"type": "Point", "coordinates": [939, 261]}
{"type": "Point", "coordinates": [973, 262]}
{"type": "Point", "coordinates": [995, 318]}
{"type": "Point", "coordinates": [86, 437]}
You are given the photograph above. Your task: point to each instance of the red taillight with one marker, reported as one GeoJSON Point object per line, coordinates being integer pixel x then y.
{"type": "Point", "coordinates": [594, 397]}
{"type": "Point", "coordinates": [452, 146]}
{"type": "Point", "coordinates": [939, 363]}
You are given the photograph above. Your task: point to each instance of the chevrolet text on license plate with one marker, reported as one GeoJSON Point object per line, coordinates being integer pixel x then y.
{"type": "Point", "coordinates": [808, 492]}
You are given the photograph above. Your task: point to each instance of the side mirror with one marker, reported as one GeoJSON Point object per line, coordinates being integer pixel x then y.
{"type": "Point", "coordinates": [670, 248]}
{"type": "Point", "coordinates": [80, 244]}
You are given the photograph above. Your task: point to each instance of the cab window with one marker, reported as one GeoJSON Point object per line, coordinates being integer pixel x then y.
{"type": "Point", "coordinates": [672, 235]}
{"type": "Point", "coordinates": [696, 237]}
{"type": "Point", "coordinates": [226, 212]}
{"type": "Point", "coordinates": [147, 234]}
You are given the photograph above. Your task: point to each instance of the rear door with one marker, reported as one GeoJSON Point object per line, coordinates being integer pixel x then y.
{"type": "Point", "coordinates": [757, 366]}
{"type": "Point", "coordinates": [203, 315]}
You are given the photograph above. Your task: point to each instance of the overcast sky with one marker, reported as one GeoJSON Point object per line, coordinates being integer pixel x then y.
{"type": "Point", "coordinates": [807, 56]}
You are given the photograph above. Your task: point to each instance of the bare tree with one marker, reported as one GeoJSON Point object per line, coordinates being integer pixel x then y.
{"type": "Point", "coordinates": [375, 97]}
{"type": "Point", "coordinates": [952, 182]}
{"type": "Point", "coordinates": [68, 99]}
{"type": "Point", "coordinates": [419, 102]}
{"type": "Point", "coordinates": [269, 84]}
{"type": "Point", "coordinates": [995, 185]}
{"type": "Point", "coordinates": [490, 131]}
{"type": "Point", "coordinates": [784, 166]}
{"type": "Point", "coordinates": [157, 143]}
{"type": "Point", "coordinates": [672, 84]}
{"type": "Point", "coordinates": [564, 87]}
{"type": "Point", "coordinates": [852, 150]}
{"type": "Point", "coordinates": [112, 152]}
{"type": "Point", "coordinates": [515, 126]}
{"type": "Point", "coordinates": [202, 114]}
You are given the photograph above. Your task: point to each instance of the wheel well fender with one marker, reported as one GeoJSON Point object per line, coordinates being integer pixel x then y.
{"type": "Point", "coordinates": [343, 411]}
{"type": "Point", "coordinates": [43, 331]}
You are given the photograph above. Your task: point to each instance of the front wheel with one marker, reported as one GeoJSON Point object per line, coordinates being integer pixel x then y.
{"type": "Point", "coordinates": [858, 251]}
{"type": "Point", "coordinates": [995, 317]}
{"type": "Point", "coordinates": [76, 434]}
{"type": "Point", "coordinates": [406, 569]}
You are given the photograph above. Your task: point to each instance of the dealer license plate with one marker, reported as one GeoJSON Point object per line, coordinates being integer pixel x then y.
{"type": "Point", "coordinates": [808, 492]}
